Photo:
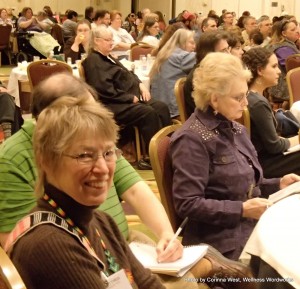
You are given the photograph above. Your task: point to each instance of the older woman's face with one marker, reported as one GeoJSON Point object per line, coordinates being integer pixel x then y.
{"type": "Point", "coordinates": [190, 45]}
{"type": "Point", "coordinates": [86, 183]}
{"type": "Point", "coordinates": [104, 43]}
{"type": "Point", "coordinates": [291, 33]}
{"type": "Point", "coordinates": [232, 105]}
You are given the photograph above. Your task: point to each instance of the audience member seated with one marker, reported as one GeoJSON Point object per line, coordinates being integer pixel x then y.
{"type": "Point", "coordinates": [161, 23]}
{"type": "Point", "coordinates": [79, 44]}
{"type": "Point", "coordinates": [167, 35]}
{"type": "Point", "coordinates": [89, 14]}
{"type": "Point", "coordinates": [265, 28]}
{"type": "Point", "coordinates": [249, 25]}
{"type": "Point", "coordinates": [174, 60]}
{"type": "Point", "coordinates": [122, 40]}
{"type": "Point", "coordinates": [28, 22]}
{"type": "Point", "coordinates": [50, 14]}
{"type": "Point", "coordinates": [217, 179]}
{"type": "Point", "coordinates": [284, 35]}
{"type": "Point", "coordinates": [10, 115]}
{"type": "Point", "coordinates": [127, 185]}
{"type": "Point", "coordinates": [69, 25]}
{"type": "Point", "coordinates": [47, 24]}
{"type": "Point", "coordinates": [256, 38]}
{"type": "Point", "coordinates": [270, 147]}
{"type": "Point", "coordinates": [150, 31]}
{"type": "Point", "coordinates": [130, 26]}
{"type": "Point", "coordinates": [211, 41]}
{"type": "Point", "coordinates": [235, 42]}
{"type": "Point", "coordinates": [121, 90]}
{"type": "Point", "coordinates": [102, 17]}
{"type": "Point", "coordinates": [12, 17]}
{"type": "Point", "coordinates": [71, 184]}
{"type": "Point", "coordinates": [4, 20]}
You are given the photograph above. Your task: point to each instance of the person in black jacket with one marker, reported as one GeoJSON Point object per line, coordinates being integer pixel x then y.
{"type": "Point", "coordinates": [121, 90]}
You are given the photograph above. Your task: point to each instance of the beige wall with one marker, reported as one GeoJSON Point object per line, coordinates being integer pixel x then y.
{"type": "Point", "coordinates": [256, 7]}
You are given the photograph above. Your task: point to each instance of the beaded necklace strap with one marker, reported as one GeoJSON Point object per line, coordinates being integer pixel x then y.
{"type": "Point", "coordinates": [113, 266]}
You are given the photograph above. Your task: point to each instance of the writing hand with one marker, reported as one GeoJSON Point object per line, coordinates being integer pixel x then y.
{"type": "Point", "coordinates": [168, 252]}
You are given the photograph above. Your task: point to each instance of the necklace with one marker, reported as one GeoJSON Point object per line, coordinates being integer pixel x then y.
{"type": "Point", "coordinates": [113, 265]}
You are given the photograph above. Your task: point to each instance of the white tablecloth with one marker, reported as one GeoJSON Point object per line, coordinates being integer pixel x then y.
{"type": "Point", "coordinates": [276, 239]}
{"type": "Point", "coordinates": [18, 73]}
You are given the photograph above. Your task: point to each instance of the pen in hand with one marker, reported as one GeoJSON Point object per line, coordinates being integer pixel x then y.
{"type": "Point", "coordinates": [178, 231]}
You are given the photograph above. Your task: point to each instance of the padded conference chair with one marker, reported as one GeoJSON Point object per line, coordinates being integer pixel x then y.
{"type": "Point", "coordinates": [9, 276]}
{"type": "Point", "coordinates": [293, 83]}
{"type": "Point", "coordinates": [179, 94]}
{"type": "Point", "coordinates": [245, 120]}
{"type": "Point", "coordinates": [42, 69]}
{"type": "Point", "coordinates": [162, 169]}
{"type": "Point", "coordinates": [5, 31]}
{"type": "Point", "coordinates": [140, 49]}
{"type": "Point", "coordinates": [292, 61]}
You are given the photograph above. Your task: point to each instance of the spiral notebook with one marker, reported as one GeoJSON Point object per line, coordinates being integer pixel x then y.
{"type": "Point", "coordinates": [146, 254]}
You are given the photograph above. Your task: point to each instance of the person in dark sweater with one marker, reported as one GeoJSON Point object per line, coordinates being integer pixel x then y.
{"type": "Point", "coordinates": [74, 143]}
{"type": "Point", "coordinates": [263, 64]}
{"type": "Point", "coordinates": [78, 45]}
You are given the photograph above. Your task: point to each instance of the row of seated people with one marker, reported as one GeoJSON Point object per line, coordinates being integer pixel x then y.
{"type": "Point", "coordinates": [19, 174]}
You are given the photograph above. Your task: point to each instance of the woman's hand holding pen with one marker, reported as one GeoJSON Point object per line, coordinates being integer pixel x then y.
{"type": "Point", "coordinates": [168, 250]}
{"type": "Point", "coordinates": [172, 249]}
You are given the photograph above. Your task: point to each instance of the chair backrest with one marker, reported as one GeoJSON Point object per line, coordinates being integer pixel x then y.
{"type": "Point", "coordinates": [292, 61]}
{"type": "Point", "coordinates": [81, 70]}
{"type": "Point", "coordinates": [42, 69]}
{"type": "Point", "coordinates": [9, 276]}
{"type": "Point", "coordinates": [245, 120]}
{"type": "Point", "coordinates": [140, 49]}
{"type": "Point", "coordinates": [162, 169]}
{"type": "Point", "coordinates": [293, 83]}
{"type": "Point", "coordinates": [5, 31]}
{"type": "Point", "coordinates": [179, 94]}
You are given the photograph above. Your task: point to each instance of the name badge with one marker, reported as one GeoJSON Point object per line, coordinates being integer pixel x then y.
{"type": "Point", "coordinates": [119, 280]}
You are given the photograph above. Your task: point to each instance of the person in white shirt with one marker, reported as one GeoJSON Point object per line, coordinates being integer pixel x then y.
{"type": "Point", "coordinates": [150, 31]}
{"type": "Point", "coordinates": [122, 40]}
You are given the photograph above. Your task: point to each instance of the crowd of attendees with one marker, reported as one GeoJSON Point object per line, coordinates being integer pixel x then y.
{"type": "Point", "coordinates": [222, 176]}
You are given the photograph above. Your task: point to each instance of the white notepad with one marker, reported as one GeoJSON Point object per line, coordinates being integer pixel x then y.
{"type": "Point", "coordinates": [288, 191]}
{"type": "Point", "coordinates": [146, 254]}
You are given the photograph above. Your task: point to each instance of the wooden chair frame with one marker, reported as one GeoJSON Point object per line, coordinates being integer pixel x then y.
{"type": "Point", "coordinates": [293, 73]}
{"type": "Point", "coordinates": [51, 67]}
{"type": "Point", "coordinates": [159, 169]}
{"type": "Point", "coordinates": [179, 94]}
{"type": "Point", "coordinates": [9, 274]}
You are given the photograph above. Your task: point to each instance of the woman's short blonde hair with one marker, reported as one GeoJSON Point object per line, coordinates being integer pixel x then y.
{"type": "Point", "coordinates": [66, 120]}
{"type": "Point", "coordinates": [215, 75]}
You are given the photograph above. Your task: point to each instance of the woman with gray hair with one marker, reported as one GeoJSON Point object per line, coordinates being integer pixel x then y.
{"type": "Point", "coordinates": [121, 90]}
{"type": "Point", "coordinates": [174, 60]}
{"type": "Point", "coordinates": [217, 180]}
{"type": "Point", "coordinates": [68, 243]}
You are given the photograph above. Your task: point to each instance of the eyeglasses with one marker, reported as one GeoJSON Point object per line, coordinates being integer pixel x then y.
{"type": "Point", "coordinates": [241, 97]}
{"type": "Point", "coordinates": [105, 39]}
{"type": "Point", "coordinates": [90, 158]}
